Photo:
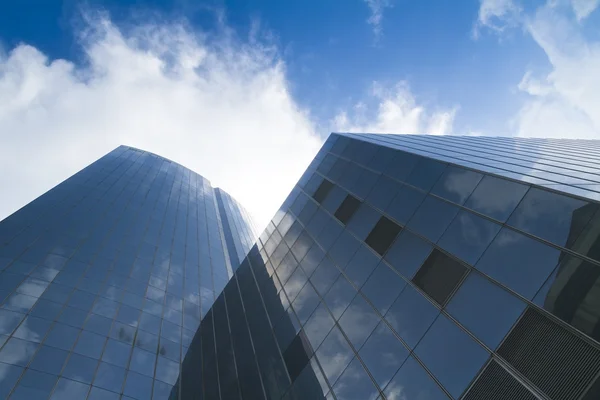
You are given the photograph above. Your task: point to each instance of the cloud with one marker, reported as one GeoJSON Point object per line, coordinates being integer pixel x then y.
{"type": "Point", "coordinates": [396, 111]}
{"type": "Point", "coordinates": [496, 15]}
{"type": "Point", "coordinates": [217, 104]}
{"type": "Point", "coordinates": [566, 101]}
{"type": "Point", "coordinates": [583, 8]}
{"type": "Point", "coordinates": [377, 7]}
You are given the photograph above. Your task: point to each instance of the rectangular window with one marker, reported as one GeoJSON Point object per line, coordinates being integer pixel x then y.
{"type": "Point", "coordinates": [439, 275]}
{"type": "Point", "coordinates": [347, 209]}
{"type": "Point", "coordinates": [383, 235]}
{"type": "Point", "coordinates": [322, 190]}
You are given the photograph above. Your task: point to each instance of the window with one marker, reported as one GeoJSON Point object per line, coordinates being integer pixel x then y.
{"type": "Point", "coordinates": [402, 165]}
{"type": "Point", "coordinates": [347, 209]}
{"type": "Point", "coordinates": [361, 266]}
{"type": "Point", "coordinates": [456, 184]}
{"type": "Point", "coordinates": [519, 262]}
{"type": "Point", "coordinates": [322, 191]}
{"type": "Point", "coordinates": [432, 218]}
{"type": "Point", "coordinates": [358, 321]}
{"type": "Point", "coordinates": [383, 192]}
{"type": "Point", "coordinates": [408, 253]}
{"type": "Point", "coordinates": [404, 204]}
{"type": "Point", "coordinates": [383, 354]}
{"type": "Point", "coordinates": [297, 355]}
{"type": "Point", "coordinates": [439, 276]}
{"type": "Point", "coordinates": [451, 355]}
{"type": "Point", "coordinates": [355, 383]}
{"type": "Point", "coordinates": [496, 197]}
{"type": "Point", "coordinates": [382, 287]}
{"type": "Point", "coordinates": [383, 235]}
{"type": "Point", "coordinates": [485, 309]}
{"type": "Point", "coordinates": [426, 173]}
{"type": "Point", "coordinates": [468, 236]}
{"type": "Point", "coordinates": [413, 382]}
{"type": "Point", "coordinates": [363, 221]}
{"type": "Point", "coordinates": [334, 354]}
{"type": "Point", "coordinates": [411, 315]}
{"type": "Point", "coordinates": [552, 216]}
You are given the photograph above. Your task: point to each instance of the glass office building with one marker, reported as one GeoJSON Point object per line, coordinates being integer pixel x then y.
{"type": "Point", "coordinates": [417, 267]}
{"type": "Point", "coordinates": [105, 278]}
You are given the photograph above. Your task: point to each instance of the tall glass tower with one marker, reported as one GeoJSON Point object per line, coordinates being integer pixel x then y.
{"type": "Point", "coordinates": [417, 267]}
{"type": "Point", "coordinates": [105, 278]}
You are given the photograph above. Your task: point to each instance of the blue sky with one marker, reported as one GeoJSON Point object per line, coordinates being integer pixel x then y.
{"type": "Point", "coordinates": [231, 88]}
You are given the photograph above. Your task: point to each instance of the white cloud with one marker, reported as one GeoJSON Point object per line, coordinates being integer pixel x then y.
{"type": "Point", "coordinates": [397, 111]}
{"type": "Point", "coordinates": [219, 106]}
{"type": "Point", "coordinates": [377, 7]}
{"type": "Point", "coordinates": [496, 15]}
{"type": "Point", "coordinates": [583, 8]}
{"type": "Point", "coordinates": [566, 101]}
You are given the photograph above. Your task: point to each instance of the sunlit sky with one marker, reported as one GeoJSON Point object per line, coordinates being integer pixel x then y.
{"type": "Point", "coordinates": [245, 92]}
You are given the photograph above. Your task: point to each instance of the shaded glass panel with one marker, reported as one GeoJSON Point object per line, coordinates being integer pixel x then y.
{"type": "Point", "coordinates": [485, 309]}
{"type": "Point", "coordinates": [408, 253]}
{"type": "Point", "coordinates": [355, 384]}
{"type": "Point", "coordinates": [451, 355]}
{"type": "Point", "coordinates": [383, 235]}
{"type": "Point", "coordinates": [405, 203]}
{"type": "Point", "coordinates": [358, 321]}
{"type": "Point", "coordinates": [519, 262]}
{"type": "Point", "coordinates": [496, 197]}
{"type": "Point", "coordinates": [382, 287]}
{"type": "Point", "coordinates": [468, 236]}
{"type": "Point", "coordinates": [439, 276]}
{"type": "Point", "coordinates": [347, 209]}
{"type": "Point", "coordinates": [432, 218]}
{"type": "Point", "coordinates": [413, 382]}
{"type": "Point", "coordinates": [334, 354]}
{"type": "Point", "coordinates": [322, 191]}
{"type": "Point", "coordinates": [456, 184]}
{"type": "Point", "coordinates": [552, 216]}
{"type": "Point", "coordinates": [426, 173]}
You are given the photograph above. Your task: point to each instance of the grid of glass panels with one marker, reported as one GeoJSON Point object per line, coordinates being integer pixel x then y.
{"type": "Point", "coordinates": [389, 275]}
{"type": "Point", "coordinates": [105, 278]}
{"type": "Point", "coordinates": [239, 231]}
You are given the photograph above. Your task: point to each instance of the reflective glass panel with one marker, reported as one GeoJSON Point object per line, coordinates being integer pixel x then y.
{"type": "Point", "coordinates": [432, 218]}
{"type": "Point", "coordinates": [496, 197]}
{"type": "Point", "coordinates": [456, 184]}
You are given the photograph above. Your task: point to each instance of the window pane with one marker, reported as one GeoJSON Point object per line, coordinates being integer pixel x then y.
{"type": "Point", "coordinates": [383, 354]}
{"type": "Point", "coordinates": [383, 192]}
{"type": "Point", "coordinates": [363, 221]}
{"type": "Point", "coordinates": [334, 355]}
{"type": "Point", "coordinates": [305, 303]}
{"type": "Point", "coordinates": [496, 197]}
{"type": "Point", "coordinates": [382, 235]}
{"type": "Point", "coordinates": [334, 199]}
{"type": "Point", "coordinates": [361, 266]}
{"type": "Point", "coordinates": [347, 209]}
{"type": "Point", "coordinates": [519, 262]}
{"type": "Point", "coordinates": [318, 326]}
{"type": "Point", "coordinates": [432, 218]}
{"type": "Point", "coordinates": [451, 355]}
{"type": "Point", "coordinates": [468, 236]}
{"type": "Point", "coordinates": [456, 184]}
{"type": "Point", "coordinates": [404, 204]}
{"type": "Point", "coordinates": [426, 173]}
{"type": "Point", "coordinates": [355, 384]}
{"type": "Point", "coordinates": [339, 296]}
{"type": "Point", "coordinates": [402, 165]}
{"type": "Point", "coordinates": [324, 276]}
{"type": "Point", "coordinates": [485, 309]}
{"type": "Point", "coordinates": [413, 382]}
{"type": "Point", "coordinates": [571, 294]}
{"type": "Point", "coordinates": [382, 287]}
{"type": "Point", "coordinates": [408, 253]}
{"type": "Point", "coordinates": [411, 315]}
{"type": "Point", "coordinates": [552, 216]}
{"type": "Point", "coordinates": [439, 276]}
{"type": "Point", "coordinates": [358, 321]}
{"type": "Point", "coordinates": [322, 190]}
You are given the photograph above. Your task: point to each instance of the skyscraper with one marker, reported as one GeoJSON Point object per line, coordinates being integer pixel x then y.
{"type": "Point", "coordinates": [417, 267]}
{"type": "Point", "coordinates": [105, 278]}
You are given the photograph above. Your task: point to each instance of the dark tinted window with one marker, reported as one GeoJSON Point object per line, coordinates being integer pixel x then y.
{"type": "Point", "coordinates": [408, 253]}
{"type": "Point", "coordinates": [456, 184]}
{"type": "Point", "coordinates": [451, 355]}
{"type": "Point", "coordinates": [413, 382]}
{"type": "Point", "coordinates": [322, 190]}
{"type": "Point", "coordinates": [496, 197]}
{"type": "Point", "coordinates": [297, 355]}
{"type": "Point", "coordinates": [432, 218]}
{"type": "Point", "coordinates": [411, 315]}
{"type": "Point", "coordinates": [485, 309]}
{"type": "Point", "coordinates": [519, 262]}
{"type": "Point", "coordinates": [426, 173]}
{"type": "Point", "coordinates": [363, 221]}
{"type": "Point", "coordinates": [347, 208]}
{"type": "Point", "coordinates": [383, 235]}
{"type": "Point", "coordinates": [552, 216]}
{"type": "Point", "coordinates": [468, 236]}
{"type": "Point", "coordinates": [439, 275]}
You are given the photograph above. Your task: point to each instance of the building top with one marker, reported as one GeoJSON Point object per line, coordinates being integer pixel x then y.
{"type": "Point", "coordinates": [566, 165]}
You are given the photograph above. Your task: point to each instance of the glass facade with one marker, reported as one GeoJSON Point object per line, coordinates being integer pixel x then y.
{"type": "Point", "coordinates": [105, 278]}
{"type": "Point", "coordinates": [417, 267]}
